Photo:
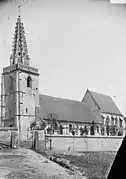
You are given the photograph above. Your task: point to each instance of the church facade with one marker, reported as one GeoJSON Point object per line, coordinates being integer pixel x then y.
{"type": "Point", "coordinates": [21, 101]}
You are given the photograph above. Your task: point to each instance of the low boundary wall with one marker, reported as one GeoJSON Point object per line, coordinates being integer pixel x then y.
{"type": "Point", "coordinates": [9, 136]}
{"type": "Point", "coordinates": [62, 142]}
{"type": "Point", "coordinates": [82, 144]}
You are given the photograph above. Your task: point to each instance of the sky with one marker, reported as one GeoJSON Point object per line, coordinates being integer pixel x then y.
{"type": "Point", "coordinates": [118, 1]}
{"type": "Point", "coordinates": [75, 44]}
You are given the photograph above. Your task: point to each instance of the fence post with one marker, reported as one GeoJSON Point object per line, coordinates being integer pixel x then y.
{"type": "Point", "coordinates": [73, 144]}
{"type": "Point", "coordinates": [50, 143]}
{"type": "Point", "coordinates": [45, 142]}
{"type": "Point", "coordinates": [33, 139]}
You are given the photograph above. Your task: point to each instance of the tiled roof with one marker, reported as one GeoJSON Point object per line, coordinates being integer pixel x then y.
{"type": "Point", "coordinates": [66, 110]}
{"type": "Point", "coordinates": [105, 103]}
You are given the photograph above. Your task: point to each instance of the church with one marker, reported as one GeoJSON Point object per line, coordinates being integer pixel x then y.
{"type": "Point", "coordinates": [22, 105]}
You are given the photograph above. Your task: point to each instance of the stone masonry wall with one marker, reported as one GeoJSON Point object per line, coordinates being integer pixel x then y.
{"type": "Point", "coordinates": [81, 144]}
{"type": "Point", "coordinates": [7, 135]}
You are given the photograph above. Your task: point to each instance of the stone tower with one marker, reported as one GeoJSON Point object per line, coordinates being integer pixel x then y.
{"type": "Point", "coordinates": [19, 86]}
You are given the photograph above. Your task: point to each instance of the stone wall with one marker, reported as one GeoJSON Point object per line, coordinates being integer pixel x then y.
{"type": "Point", "coordinates": [81, 144]}
{"type": "Point", "coordinates": [6, 136]}
{"type": "Point", "coordinates": [9, 99]}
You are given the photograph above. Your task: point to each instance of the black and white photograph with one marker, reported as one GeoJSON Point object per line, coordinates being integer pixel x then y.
{"type": "Point", "coordinates": [63, 89]}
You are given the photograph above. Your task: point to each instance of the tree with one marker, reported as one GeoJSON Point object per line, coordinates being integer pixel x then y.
{"type": "Point", "coordinates": [102, 130]}
{"type": "Point", "coordinates": [83, 131]}
{"type": "Point", "coordinates": [73, 132]}
{"type": "Point", "coordinates": [52, 119]}
{"type": "Point", "coordinates": [113, 130]}
{"type": "Point", "coordinates": [107, 129]}
{"type": "Point", "coordinates": [39, 123]}
{"type": "Point", "coordinates": [92, 129]}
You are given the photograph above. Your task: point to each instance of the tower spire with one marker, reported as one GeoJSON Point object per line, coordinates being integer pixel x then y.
{"type": "Point", "coordinates": [19, 9]}
{"type": "Point", "coordinates": [19, 46]}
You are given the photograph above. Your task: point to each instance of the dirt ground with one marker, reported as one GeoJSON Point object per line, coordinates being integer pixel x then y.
{"type": "Point", "coordinates": [25, 163]}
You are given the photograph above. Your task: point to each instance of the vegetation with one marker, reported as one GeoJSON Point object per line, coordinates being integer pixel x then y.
{"type": "Point", "coordinates": [95, 165]}
{"type": "Point", "coordinates": [52, 121]}
{"type": "Point", "coordinates": [39, 123]}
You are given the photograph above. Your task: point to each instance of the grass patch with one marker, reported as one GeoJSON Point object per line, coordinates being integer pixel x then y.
{"type": "Point", "coordinates": [94, 165]}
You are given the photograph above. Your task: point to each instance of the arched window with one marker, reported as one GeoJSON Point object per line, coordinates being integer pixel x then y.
{"type": "Point", "coordinates": [107, 121]}
{"type": "Point", "coordinates": [116, 121]}
{"type": "Point", "coordinates": [29, 82]}
{"type": "Point", "coordinates": [120, 122]}
{"type": "Point", "coordinates": [112, 121]}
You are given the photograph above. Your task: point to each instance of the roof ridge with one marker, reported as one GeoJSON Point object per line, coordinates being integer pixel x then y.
{"type": "Point", "coordinates": [67, 110]}
{"type": "Point", "coordinates": [58, 97]}
{"type": "Point", "coordinates": [65, 99]}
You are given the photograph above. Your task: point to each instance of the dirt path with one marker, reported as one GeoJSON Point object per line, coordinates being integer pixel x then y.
{"type": "Point", "coordinates": [25, 163]}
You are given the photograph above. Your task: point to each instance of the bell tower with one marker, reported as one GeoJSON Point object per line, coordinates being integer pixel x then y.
{"type": "Point", "coordinates": [19, 86]}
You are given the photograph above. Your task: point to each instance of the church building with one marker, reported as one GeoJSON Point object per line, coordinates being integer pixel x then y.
{"type": "Point", "coordinates": [21, 101]}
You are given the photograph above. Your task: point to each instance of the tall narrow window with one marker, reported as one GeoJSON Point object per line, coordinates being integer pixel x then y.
{"type": "Point", "coordinates": [11, 83]}
{"type": "Point", "coordinates": [26, 110]}
{"type": "Point", "coordinates": [107, 121]}
{"type": "Point", "coordinates": [29, 82]}
{"type": "Point", "coordinates": [116, 121]}
{"type": "Point", "coordinates": [120, 122]}
{"type": "Point", "coordinates": [112, 121]}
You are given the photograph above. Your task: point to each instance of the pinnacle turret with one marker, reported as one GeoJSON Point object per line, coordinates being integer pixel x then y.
{"type": "Point", "coordinates": [19, 47]}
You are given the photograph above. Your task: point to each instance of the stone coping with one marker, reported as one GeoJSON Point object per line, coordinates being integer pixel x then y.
{"type": "Point", "coordinates": [69, 136]}
{"type": "Point", "coordinates": [9, 129]}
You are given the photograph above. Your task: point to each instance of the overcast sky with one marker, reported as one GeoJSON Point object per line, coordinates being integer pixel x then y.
{"type": "Point", "coordinates": [76, 44]}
